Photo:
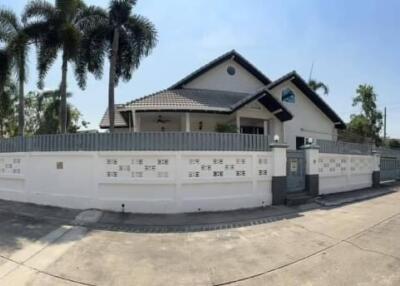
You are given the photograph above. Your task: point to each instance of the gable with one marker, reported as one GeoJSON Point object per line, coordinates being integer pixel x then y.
{"type": "Point", "coordinates": [218, 78]}
{"type": "Point", "coordinates": [313, 98]}
{"type": "Point", "coordinates": [254, 109]}
{"type": "Point", "coordinates": [306, 114]}
{"type": "Point", "coordinates": [214, 75]}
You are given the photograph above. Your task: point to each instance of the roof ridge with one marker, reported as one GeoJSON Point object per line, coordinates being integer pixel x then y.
{"type": "Point", "coordinates": [213, 90]}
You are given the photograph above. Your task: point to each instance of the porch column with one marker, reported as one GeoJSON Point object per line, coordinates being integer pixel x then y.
{"type": "Point", "coordinates": [278, 183]}
{"type": "Point", "coordinates": [238, 123]}
{"type": "Point", "coordinates": [266, 127]}
{"type": "Point", "coordinates": [312, 173]}
{"type": "Point", "coordinates": [135, 122]}
{"type": "Point", "coordinates": [187, 122]}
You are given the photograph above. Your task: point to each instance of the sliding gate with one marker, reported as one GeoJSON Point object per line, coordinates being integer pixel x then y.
{"type": "Point", "coordinates": [389, 169]}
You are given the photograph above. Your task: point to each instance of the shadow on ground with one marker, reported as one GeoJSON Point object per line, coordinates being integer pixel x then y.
{"type": "Point", "coordinates": [22, 222]}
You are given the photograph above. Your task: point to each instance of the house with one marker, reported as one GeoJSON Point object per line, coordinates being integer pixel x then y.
{"type": "Point", "coordinates": [230, 91]}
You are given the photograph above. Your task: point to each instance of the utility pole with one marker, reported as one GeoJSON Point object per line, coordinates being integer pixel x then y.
{"type": "Point", "coordinates": [384, 125]}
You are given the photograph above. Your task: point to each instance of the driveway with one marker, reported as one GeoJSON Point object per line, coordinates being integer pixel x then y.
{"type": "Point", "coordinates": [353, 244]}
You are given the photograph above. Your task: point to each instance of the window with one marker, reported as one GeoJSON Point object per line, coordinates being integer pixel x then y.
{"type": "Point", "coordinates": [231, 70]}
{"type": "Point", "coordinates": [300, 141]}
{"type": "Point", "coordinates": [288, 95]}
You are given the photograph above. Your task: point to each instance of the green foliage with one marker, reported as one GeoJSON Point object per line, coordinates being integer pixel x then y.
{"type": "Point", "coordinates": [394, 143]}
{"type": "Point", "coordinates": [318, 85]}
{"type": "Point", "coordinates": [42, 113]}
{"type": "Point", "coordinates": [369, 122]}
{"type": "Point", "coordinates": [13, 34]}
{"type": "Point", "coordinates": [225, 128]}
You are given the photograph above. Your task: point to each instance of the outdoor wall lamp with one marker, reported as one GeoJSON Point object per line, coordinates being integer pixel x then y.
{"type": "Point", "coordinates": [276, 138]}
{"type": "Point", "coordinates": [310, 140]}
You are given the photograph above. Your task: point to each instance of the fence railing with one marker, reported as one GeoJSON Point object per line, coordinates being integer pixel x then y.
{"type": "Point", "coordinates": [340, 147]}
{"type": "Point", "coordinates": [142, 141]}
{"type": "Point", "coordinates": [388, 152]}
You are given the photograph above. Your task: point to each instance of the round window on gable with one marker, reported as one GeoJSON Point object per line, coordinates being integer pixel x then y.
{"type": "Point", "coordinates": [288, 96]}
{"type": "Point", "coordinates": [231, 70]}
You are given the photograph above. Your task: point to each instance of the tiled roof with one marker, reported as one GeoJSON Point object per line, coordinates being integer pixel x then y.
{"type": "Point", "coordinates": [189, 99]}
{"type": "Point", "coordinates": [119, 121]}
{"type": "Point", "coordinates": [199, 100]}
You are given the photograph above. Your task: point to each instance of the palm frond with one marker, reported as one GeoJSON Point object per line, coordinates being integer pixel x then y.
{"type": "Point", "coordinates": [89, 17]}
{"type": "Point", "coordinates": [136, 41]}
{"type": "Point", "coordinates": [46, 55]}
{"type": "Point", "coordinates": [39, 10]}
{"type": "Point", "coordinates": [9, 24]}
{"type": "Point", "coordinates": [91, 53]}
{"type": "Point", "coordinates": [120, 11]}
{"type": "Point", "coordinates": [317, 85]}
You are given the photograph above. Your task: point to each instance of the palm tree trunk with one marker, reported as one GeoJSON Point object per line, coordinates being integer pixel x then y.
{"type": "Point", "coordinates": [21, 108]}
{"type": "Point", "coordinates": [63, 94]}
{"type": "Point", "coordinates": [111, 83]}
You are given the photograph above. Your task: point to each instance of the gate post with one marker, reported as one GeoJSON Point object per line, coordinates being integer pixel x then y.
{"type": "Point", "coordinates": [312, 173]}
{"type": "Point", "coordinates": [376, 172]}
{"type": "Point", "coordinates": [278, 184]}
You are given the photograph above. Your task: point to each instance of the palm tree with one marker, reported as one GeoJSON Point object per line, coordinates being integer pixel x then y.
{"type": "Point", "coordinates": [13, 34]}
{"type": "Point", "coordinates": [57, 28]}
{"type": "Point", "coordinates": [317, 85]}
{"type": "Point", "coordinates": [8, 93]}
{"type": "Point", "coordinates": [125, 38]}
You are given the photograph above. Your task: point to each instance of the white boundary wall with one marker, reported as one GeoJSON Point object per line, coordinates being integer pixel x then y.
{"type": "Point", "coordinates": [146, 182]}
{"type": "Point", "coordinates": [341, 172]}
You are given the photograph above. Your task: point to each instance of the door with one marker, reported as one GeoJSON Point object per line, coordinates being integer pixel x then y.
{"type": "Point", "coordinates": [295, 171]}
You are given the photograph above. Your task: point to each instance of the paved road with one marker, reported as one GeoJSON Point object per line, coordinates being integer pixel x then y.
{"type": "Point", "coordinates": [355, 244]}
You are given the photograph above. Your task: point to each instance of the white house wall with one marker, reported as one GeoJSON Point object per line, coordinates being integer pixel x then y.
{"type": "Point", "coordinates": [145, 182]}
{"type": "Point", "coordinates": [218, 79]}
{"type": "Point", "coordinates": [308, 120]}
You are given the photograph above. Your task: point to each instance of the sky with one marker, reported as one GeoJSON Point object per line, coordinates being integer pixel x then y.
{"type": "Point", "coordinates": [350, 43]}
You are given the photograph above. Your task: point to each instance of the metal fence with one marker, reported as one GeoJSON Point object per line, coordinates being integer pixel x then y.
{"type": "Point", "coordinates": [142, 141]}
{"type": "Point", "coordinates": [388, 152]}
{"type": "Point", "coordinates": [340, 147]}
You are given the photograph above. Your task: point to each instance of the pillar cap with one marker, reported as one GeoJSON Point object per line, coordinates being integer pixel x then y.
{"type": "Point", "coordinates": [278, 145]}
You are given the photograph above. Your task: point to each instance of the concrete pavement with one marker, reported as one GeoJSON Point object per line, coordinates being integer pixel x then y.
{"type": "Point", "coordinates": [354, 244]}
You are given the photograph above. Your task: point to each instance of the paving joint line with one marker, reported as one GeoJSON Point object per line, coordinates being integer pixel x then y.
{"type": "Point", "coordinates": [22, 264]}
{"type": "Point", "coordinates": [305, 257]}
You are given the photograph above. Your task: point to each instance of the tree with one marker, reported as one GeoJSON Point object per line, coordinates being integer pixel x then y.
{"type": "Point", "coordinates": [394, 143]}
{"type": "Point", "coordinates": [58, 28]}
{"type": "Point", "coordinates": [13, 34]}
{"type": "Point", "coordinates": [125, 38]}
{"type": "Point", "coordinates": [369, 122]}
{"type": "Point", "coordinates": [318, 85]}
{"type": "Point", "coordinates": [42, 113]}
